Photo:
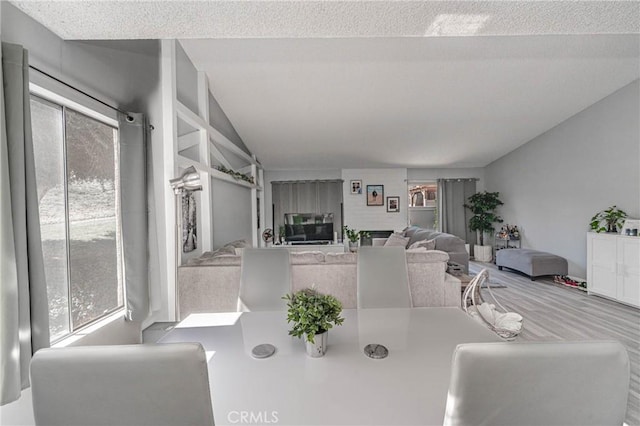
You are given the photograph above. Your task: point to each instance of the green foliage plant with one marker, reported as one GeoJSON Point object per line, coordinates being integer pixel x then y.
{"type": "Point", "coordinates": [354, 235]}
{"type": "Point", "coordinates": [483, 206]}
{"type": "Point", "coordinates": [612, 217]}
{"type": "Point", "coordinates": [312, 313]}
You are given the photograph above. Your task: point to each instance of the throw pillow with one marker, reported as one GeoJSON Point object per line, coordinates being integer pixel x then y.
{"type": "Point", "coordinates": [396, 240]}
{"type": "Point", "coordinates": [427, 244]}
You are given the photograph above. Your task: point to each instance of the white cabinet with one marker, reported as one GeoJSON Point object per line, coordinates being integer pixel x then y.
{"type": "Point", "coordinates": [613, 267]}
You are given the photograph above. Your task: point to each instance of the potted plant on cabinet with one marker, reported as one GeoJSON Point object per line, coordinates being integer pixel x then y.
{"type": "Point", "coordinates": [612, 217]}
{"type": "Point", "coordinates": [483, 206]}
{"type": "Point", "coordinates": [354, 237]}
{"type": "Point", "coordinates": [313, 314]}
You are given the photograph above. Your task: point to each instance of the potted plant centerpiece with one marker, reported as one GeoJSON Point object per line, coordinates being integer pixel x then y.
{"type": "Point", "coordinates": [354, 237]}
{"type": "Point", "coordinates": [483, 206]}
{"type": "Point", "coordinates": [312, 315]}
{"type": "Point", "coordinates": [612, 217]}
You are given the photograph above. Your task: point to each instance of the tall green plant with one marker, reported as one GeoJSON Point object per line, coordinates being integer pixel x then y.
{"type": "Point", "coordinates": [483, 206]}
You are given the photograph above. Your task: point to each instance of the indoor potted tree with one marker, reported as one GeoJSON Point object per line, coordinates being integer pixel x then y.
{"type": "Point", "coordinates": [354, 237]}
{"type": "Point", "coordinates": [483, 206]}
{"type": "Point", "coordinates": [612, 217]}
{"type": "Point", "coordinates": [313, 314]}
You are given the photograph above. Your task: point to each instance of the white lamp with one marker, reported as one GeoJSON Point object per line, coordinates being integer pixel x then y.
{"type": "Point", "coordinates": [188, 181]}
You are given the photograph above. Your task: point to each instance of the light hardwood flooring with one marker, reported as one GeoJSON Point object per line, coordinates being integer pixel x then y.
{"type": "Point", "coordinates": [555, 312]}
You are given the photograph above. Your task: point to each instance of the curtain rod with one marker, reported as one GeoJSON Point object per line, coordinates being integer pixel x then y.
{"type": "Point", "coordinates": [307, 181]}
{"type": "Point", "coordinates": [126, 114]}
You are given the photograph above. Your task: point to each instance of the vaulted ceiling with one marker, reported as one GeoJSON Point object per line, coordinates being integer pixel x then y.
{"type": "Point", "coordinates": [339, 84]}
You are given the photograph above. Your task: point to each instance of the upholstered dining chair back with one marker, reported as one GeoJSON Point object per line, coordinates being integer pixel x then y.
{"type": "Point", "coordinates": [383, 280]}
{"type": "Point", "coordinates": [265, 276]}
{"type": "Point", "coordinates": [163, 384]}
{"type": "Point", "coordinates": [550, 383]}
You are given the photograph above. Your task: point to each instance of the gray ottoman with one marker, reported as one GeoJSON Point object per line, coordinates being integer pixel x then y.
{"type": "Point", "coordinates": [531, 262]}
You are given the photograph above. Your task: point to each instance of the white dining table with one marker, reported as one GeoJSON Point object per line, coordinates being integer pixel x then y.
{"type": "Point", "coordinates": [345, 387]}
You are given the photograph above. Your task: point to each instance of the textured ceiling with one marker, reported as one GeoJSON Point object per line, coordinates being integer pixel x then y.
{"type": "Point", "coordinates": [139, 19]}
{"type": "Point", "coordinates": [341, 84]}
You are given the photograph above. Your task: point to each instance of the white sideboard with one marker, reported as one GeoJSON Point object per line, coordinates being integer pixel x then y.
{"type": "Point", "coordinates": [613, 267]}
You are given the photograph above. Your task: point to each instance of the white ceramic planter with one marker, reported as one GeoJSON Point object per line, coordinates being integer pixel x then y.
{"type": "Point", "coordinates": [482, 253]}
{"type": "Point", "coordinates": [319, 347]}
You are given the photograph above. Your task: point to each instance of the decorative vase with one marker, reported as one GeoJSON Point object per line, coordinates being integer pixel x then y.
{"type": "Point", "coordinates": [353, 246]}
{"type": "Point", "coordinates": [319, 347]}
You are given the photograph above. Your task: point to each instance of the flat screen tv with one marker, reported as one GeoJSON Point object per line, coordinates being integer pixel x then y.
{"type": "Point", "coordinates": [308, 228]}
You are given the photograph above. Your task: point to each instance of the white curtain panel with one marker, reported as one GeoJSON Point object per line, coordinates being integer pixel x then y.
{"type": "Point", "coordinates": [24, 314]}
{"type": "Point", "coordinates": [133, 197]}
{"type": "Point", "coordinates": [453, 217]}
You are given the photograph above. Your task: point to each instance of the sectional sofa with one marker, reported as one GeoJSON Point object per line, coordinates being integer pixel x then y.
{"type": "Point", "coordinates": [211, 283]}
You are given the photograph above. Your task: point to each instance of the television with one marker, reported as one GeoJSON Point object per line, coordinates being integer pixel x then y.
{"type": "Point", "coordinates": [308, 228]}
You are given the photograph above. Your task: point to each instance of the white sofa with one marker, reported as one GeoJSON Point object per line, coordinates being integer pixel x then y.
{"type": "Point", "coordinates": [211, 283]}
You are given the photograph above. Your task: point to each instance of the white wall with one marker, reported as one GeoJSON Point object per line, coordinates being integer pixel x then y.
{"type": "Point", "coordinates": [359, 216]}
{"type": "Point", "coordinates": [554, 184]}
{"type": "Point", "coordinates": [231, 212]}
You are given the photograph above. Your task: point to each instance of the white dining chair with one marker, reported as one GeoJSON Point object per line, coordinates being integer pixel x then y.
{"type": "Point", "coordinates": [383, 280]}
{"type": "Point", "coordinates": [265, 276]}
{"type": "Point", "coordinates": [163, 384]}
{"type": "Point", "coordinates": [542, 383]}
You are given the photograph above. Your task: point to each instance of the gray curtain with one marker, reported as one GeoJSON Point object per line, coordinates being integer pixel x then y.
{"type": "Point", "coordinates": [453, 217]}
{"type": "Point", "coordinates": [24, 313]}
{"type": "Point", "coordinates": [133, 207]}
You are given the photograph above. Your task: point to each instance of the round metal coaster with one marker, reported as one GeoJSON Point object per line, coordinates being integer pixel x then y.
{"type": "Point", "coordinates": [376, 351]}
{"type": "Point", "coordinates": [264, 350]}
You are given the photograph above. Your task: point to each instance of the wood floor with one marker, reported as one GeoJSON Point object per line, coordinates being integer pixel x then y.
{"type": "Point", "coordinates": [554, 312]}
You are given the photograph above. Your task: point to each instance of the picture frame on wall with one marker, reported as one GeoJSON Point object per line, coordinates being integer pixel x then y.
{"type": "Point", "coordinates": [393, 204]}
{"type": "Point", "coordinates": [375, 195]}
{"type": "Point", "coordinates": [356, 187]}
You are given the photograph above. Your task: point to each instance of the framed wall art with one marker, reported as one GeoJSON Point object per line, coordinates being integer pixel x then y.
{"type": "Point", "coordinates": [375, 195]}
{"type": "Point", "coordinates": [356, 187]}
{"type": "Point", "coordinates": [393, 204]}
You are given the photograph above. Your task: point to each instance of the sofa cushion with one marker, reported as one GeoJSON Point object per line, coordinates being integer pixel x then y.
{"type": "Point", "coordinates": [306, 257]}
{"type": "Point", "coordinates": [408, 232]}
{"type": "Point", "coordinates": [341, 258]}
{"type": "Point", "coordinates": [448, 242]}
{"type": "Point", "coordinates": [221, 259]}
{"type": "Point", "coordinates": [419, 235]}
{"type": "Point", "coordinates": [426, 256]}
{"type": "Point", "coordinates": [426, 244]}
{"type": "Point", "coordinates": [396, 240]}
{"type": "Point", "coordinates": [238, 244]}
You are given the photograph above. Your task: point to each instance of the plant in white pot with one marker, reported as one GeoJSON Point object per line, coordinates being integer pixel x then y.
{"type": "Point", "coordinates": [354, 237]}
{"type": "Point", "coordinates": [483, 206]}
{"type": "Point", "coordinates": [312, 315]}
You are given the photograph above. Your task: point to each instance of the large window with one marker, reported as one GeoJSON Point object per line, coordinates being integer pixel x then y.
{"type": "Point", "coordinates": [77, 180]}
{"type": "Point", "coordinates": [423, 198]}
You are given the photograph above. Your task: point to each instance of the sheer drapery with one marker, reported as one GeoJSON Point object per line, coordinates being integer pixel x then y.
{"type": "Point", "coordinates": [24, 315]}
{"type": "Point", "coordinates": [307, 197]}
{"type": "Point", "coordinates": [453, 217]}
{"type": "Point", "coordinates": [133, 209]}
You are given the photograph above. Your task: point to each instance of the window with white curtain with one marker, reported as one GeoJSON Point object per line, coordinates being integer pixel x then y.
{"type": "Point", "coordinates": [76, 157]}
